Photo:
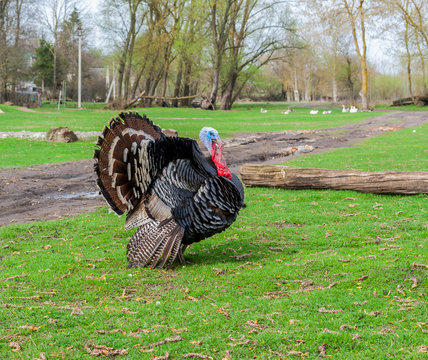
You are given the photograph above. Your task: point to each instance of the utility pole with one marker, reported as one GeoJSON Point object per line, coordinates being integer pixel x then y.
{"type": "Point", "coordinates": [79, 76]}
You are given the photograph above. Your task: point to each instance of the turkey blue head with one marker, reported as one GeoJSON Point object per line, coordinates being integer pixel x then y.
{"type": "Point", "coordinates": [211, 139]}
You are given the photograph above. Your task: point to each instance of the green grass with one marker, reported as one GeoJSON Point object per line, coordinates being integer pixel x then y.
{"type": "Point", "coordinates": [402, 150]}
{"type": "Point", "coordinates": [20, 152]}
{"type": "Point", "coordinates": [320, 267]}
{"type": "Point", "coordinates": [306, 251]}
{"type": "Point", "coordinates": [187, 121]}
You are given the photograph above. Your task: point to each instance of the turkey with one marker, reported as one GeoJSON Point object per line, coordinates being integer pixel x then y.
{"type": "Point", "coordinates": [167, 188]}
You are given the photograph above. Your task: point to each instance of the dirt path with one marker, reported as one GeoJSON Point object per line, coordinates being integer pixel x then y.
{"type": "Point", "coordinates": [52, 191]}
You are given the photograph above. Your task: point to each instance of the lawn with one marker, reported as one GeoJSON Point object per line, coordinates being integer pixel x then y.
{"type": "Point", "coordinates": [187, 121]}
{"type": "Point", "coordinates": [300, 274]}
{"type": "Point", "coordinates": [402, 150]}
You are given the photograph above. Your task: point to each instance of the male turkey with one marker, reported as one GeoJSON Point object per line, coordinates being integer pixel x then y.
{"type": "Point", "coordinates": [169, 190]}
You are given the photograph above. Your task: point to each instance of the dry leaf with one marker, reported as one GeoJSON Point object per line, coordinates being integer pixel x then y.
{"type": "Point", "coordinates": [227, 355]}
{"type": "Point", "coordinates": [255, 324]}
{"type": "Point", "coordinates": [240, 257]}
{"type": "Point", "coordinates": [324, 310]}
{"type": "Point", "coordinates": [376, 313]}
{"type": "Point", "coordinates": [30, 327]}
{"type": "Point", "coordinates": [334, 283]}
{"type": "Point", "coordinates": [196, 356]}
{"type": "Point", "coordinates": [196, 342]}
{"type": "Point", "coordinates": [322, 350]}
{"type": "Point", "coordinates": [161, 357]}
{"type": "Point", "coordinates": [14, 277]}
{"type": "Point", "coordinates": [360, 304]}
{"type": "Point", "coordinates": [167, 340]}
{"type": "Point", "coordinates": [275, 295]}
{"type": "Point", "coordinates": [346, 326]}
{"type": "Point", "coordinates": [97, 350]}
{"type": "Point", "coordinates": [15, 346]}
{"type": "Point", "coordinates": [296, 353]}
{"type": "Point", "coordinates": [42, 357]}
{"type": "Point", "coordinates": [356, 336]}
{"type": "Point", "coordinates": [76, 311]}
{"type": "Point", "coordinates": [400, 290]}
{"type": "Point", "coordinates": [419, 265]}
{"type": "Point", "coordinates": [110, 331]}
{"type": "Point", "coordinates": [414, 282]}
{"type": "Point", "coordinates": [386, 330]}
{"type": "Point", "coordinates": [218, 271]}
{"type": "Point", "coordinates": [423, 349]}
{"type": "Point", "coordinates": [364, 277]}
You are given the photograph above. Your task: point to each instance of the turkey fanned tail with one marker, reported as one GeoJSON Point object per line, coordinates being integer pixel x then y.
{"type": "Point", "coordinates": [155, 244]}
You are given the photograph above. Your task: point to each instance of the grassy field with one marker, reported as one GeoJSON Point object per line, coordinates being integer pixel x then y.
{"type": "Point", "coordinates": [403, 150]}
{"type": "Point", "coordinates": [300, 274]}
{"type": "Point", "coordinates": [21, 152]}
{"type": "Point", "coordinates": [186, 121]}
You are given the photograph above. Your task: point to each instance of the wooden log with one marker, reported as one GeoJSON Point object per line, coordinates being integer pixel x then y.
{"type": "Point", "coordinates": [154, 97]}
{"type": "Point", "coordinates": [421, 100]}
{"type": "Point", "coordinates": [377, 182]}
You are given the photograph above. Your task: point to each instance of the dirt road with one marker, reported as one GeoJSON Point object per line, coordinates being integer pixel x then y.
{"type": "Point", "coordinates": [52, 191]}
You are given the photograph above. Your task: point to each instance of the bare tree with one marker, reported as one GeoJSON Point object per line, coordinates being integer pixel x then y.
{"type": "Point", "coordinates": [356, 12]}
{"type": "Point", "coordinates": [257, 30]}
{"type": "Point", "coordinates": [220, 12]}
{"type": "Point", "coordinates": [13, 23]}
{"type": "Point", "coordinates": [54, 14]}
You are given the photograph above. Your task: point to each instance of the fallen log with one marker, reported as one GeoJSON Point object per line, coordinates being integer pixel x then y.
{"type": "Point", "coordinates": [377, 182]}
{"type": "Point", "coordinates": [154, 97]}
{"type": "Point", "coordinates": [421, 100]}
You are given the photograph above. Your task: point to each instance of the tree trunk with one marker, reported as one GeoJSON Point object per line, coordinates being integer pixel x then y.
{"type": "Point", "coordinates": [128, 66]}
{"type": "Point", "coordinates": [307, 84]}
{"type": "Point", "coordinates": [296, 90]}
{"type": "Point", "coordinates": [178, 84]}
{"type": "Point", "coordinates": [289, 94]}
{"type": "Point", "coordinates": [226, 100]}
{"type": "Point", "coordinates": [421, 55]}
{"type": "Point", "coordinates": [409, 61]}
{"type": "Point", "coordinates": [187, 81]}
{"type": "Point", "coordinates": [364, 85]}
{"type": "Point", "coordinates": [378, 182]}
{"type": "Point", "coordinates": [54, 77]}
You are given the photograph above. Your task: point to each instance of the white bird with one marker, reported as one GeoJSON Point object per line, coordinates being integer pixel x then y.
{"type": "Point", "coordinates": [344, 109]}
{"type": "Point", "coordinates": [263, 111]}
{"type": "Point", "coordinates": [326, 112]}
{"type": "Point", "coordinates": [353, 109]}
{"type": "Point", "coordinates": [313, 112]}
{"type": "Point", "coordinates": [286, 112]}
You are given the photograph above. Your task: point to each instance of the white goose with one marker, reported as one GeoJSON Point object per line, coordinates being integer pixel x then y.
{"type": "Point", "coordinates": [344, 109]}
{"type": "Point", "coordinates": [313, 112]}
{"type": "Point", "coordinates": [353, 109]}
{"type": "Point", "coordinates": [263, 111]}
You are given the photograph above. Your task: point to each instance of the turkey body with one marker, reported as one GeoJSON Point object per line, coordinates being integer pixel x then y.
{"type": "Point", "coordinates": [168, 189]}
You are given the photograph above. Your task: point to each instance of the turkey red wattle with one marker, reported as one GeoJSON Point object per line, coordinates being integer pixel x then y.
{"type": "Point", "coordinates": [217, 158]}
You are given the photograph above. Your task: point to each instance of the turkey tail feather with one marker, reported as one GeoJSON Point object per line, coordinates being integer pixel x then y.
{"type": "Point", "coordinates": [154, 242]}
{"type": "Point", "coordinates": [122, 174]}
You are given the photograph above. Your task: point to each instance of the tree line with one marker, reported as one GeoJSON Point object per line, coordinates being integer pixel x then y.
{"type": "Point", "coordinates": [221, 50]}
